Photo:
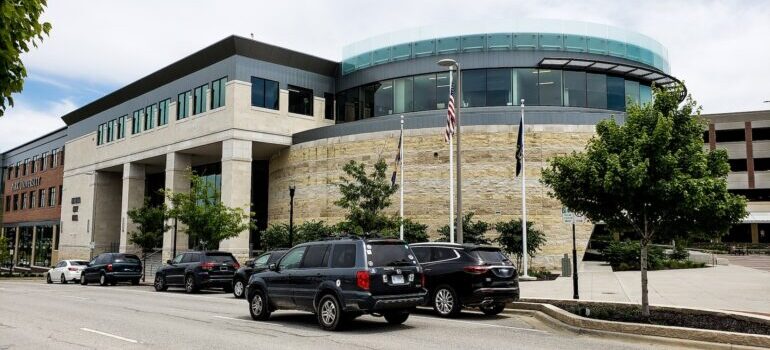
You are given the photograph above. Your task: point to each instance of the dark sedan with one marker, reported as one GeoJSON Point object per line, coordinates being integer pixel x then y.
{"type": "Point", "coordinates": [111, 268]}
{"type": "Point", "coordinates": [260, 263]}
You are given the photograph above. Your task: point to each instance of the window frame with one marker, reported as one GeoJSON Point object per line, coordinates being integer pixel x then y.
{"type": "Point", "coordinates": [218, 93]}
{"type": "Point", "coordinates": [199, 100]}
{"type": "Point", "coordinates": [301, 93]}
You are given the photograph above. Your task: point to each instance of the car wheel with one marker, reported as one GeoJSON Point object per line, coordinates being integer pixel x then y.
{"type": "Point", "coordinates": [189, 284]}
{"type": "Point", "coordinates": [258, 307]}
{"type": "Point", "coordinates": [396, 317]}
{"type": "Point", "coordinates": [160, 283]}
{"type": "Point", "coordinates": [330, 315]}
{"type": "Point", "coordinates": [62, 279]}
{"type": "Point", "coordinates": [493, 309]}
{"type": "Point", "coordinates": [103, 280]}
{"type": "Point", "coordinates": [83, 280]}
{"type": "Point", "coordinates": [48, 278]}
{"type": "Point", "coordinates": [445, 301]}
{"type": "Point", "coordinates": [238, 289]}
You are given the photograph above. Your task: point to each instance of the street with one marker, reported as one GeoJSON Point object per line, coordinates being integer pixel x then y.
{"type": "Point", "coordinates": [34, 315]}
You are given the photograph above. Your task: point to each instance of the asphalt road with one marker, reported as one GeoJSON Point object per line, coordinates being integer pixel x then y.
{"type": "Point", "coordinates": [34, 315]}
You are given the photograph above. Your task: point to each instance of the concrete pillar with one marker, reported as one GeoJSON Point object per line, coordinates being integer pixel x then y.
{"type": "Point", "coordinates": [177, 180]}
{"type": "Point", "coordinates": [132, 197]}
{"type": "Point", "coordinates": [755, 233]}
{"type": "Point", "coordinates": [236, 190]}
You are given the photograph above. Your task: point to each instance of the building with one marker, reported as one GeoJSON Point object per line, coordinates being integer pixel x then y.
{"type": "Point", "coordinates": [746, 138]}
{"type": "Point", "coordinates": [255, 119]}
{"type": "Point", "coordinates": [31, 211]}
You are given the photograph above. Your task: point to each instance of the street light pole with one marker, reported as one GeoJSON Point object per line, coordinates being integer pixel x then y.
{"type": "Point", "coordinates": [291, 215]}
{"type": "Point", "coordinates": [447, 62]}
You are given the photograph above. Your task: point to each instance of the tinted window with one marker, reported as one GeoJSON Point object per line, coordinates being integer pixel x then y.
{"type": "Point", "coordinates": [316, 256]}
{"type": "Point", "coordinates": [422, 254]}
{"type": "Point", "coordinates": [102, 259]}
{"type": "Point", "coordinates": [78, 263]}
{"type": "Point", "coordinates": [616, 93]}
{"type": "Point", "coordinates": [489, 256]}
{"type": "Point", "coordinates": [443, 254]}
{"type": "Point", "coordinates": [300, 100]}
{"type": "Point", "coordinates": [220, 258]}
{"type": "Point", "coordinates": [128, 258]}
{"type": "Point", "coordinates": [292, 259]}
{"type": "Point", "coordinates": [178, 259]}
{"type": "Point", "coordinates": [275, 257]}
{"type": "Point", "coordinates": [390, 254]}
{"type": "Point", "coordinates": [574, 89]}
{"type": "Point", "coordinates": [550, 87]}
{"type": "Point", "coordinates": [262, 260]}
{"type": "Point", "coordinates": [425, 92]}
{"type": "Point", "coordinates": [344, 255]}
{"type": "Point", "coordinates": [474, 88]}
{"type": "Point", "coordinates": [526, 87]}
{"type": "Point", "coordinates": [499, 87]}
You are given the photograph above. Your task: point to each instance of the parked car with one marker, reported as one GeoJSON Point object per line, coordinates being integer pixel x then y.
{"type": "Point", "coordinates": [198, 270]}
{"type": "Point", "coordinates": [259, 264]}
{"type": "Point", "coordinates": [467, 275]}
{"type": "Point", "coordinates": [65, 271]}
{"type": "Point", "coordinates": [111, 268]}
{"type": "Point", "coordinates": [339, 280]}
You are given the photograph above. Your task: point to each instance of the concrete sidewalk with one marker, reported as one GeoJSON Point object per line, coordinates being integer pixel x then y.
{"type": "Point", "coordinates": [731, 287]}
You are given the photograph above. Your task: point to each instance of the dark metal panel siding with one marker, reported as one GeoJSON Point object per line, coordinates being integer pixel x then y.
{"type": "Point", "coordinates": [35, 147]}
{"type": "Point", "coordinates": [469, 116]}
{"type": "Point", "coordinates": [246, 67]}
{"type": "Point", "coordinates": [469, 60]}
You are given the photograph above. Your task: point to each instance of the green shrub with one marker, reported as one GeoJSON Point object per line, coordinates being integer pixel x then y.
{"type": "Point", "coordinates": [679, 253]}
{"type": "Point", "coordinates": [629, 253]}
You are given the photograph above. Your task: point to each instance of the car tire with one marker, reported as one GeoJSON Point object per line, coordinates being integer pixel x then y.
{"type": "Point", "coordinates": [62, 279]}
{"type": "Point", "coordinates": [83, 281]}
{"type": "Point", "coordinates": [160, 283]}
{"type": "Point", "coordinates": [258, 307]}
{"type": "Point", "coordinates": [238, 288]}
{"type": "Point", "coordinates": [493, 309]}
{"type": "Point", "coordinates": [396, 317]}
{"type": "Point", "coordinates": [445, 301]}
{"type": "Point", "coordinates": [135, 282]}
{"type": "Point", "coordinates": [103, 280]}
{"type": "Point", "coordinates": [48, 278]}
{"type": "Point", "coordinates": [189, 284]}
{"type": "Point", "coordinates": [330, 315]}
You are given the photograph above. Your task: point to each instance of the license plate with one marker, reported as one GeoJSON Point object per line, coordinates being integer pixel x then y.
{"type": "Point", "coordinates": [397, 279]}
{"type": "Point", "coordinates": [223, 268]}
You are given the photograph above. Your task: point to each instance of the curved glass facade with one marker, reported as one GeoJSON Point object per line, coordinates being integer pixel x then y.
{"type": "Point", "coordinates": [519, 35]}
{"type": "Point", "coordinates": [490, 88]}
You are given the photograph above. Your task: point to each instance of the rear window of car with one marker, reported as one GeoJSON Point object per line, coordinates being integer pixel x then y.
{"type": "Point", "coordinates": [389, 254]}
{"type": "Point", "coordinates": [220, 258]}
{"type": "Point", "coordinates": [127, 258]}
{"type": "Point", "coordinates": [78, 263]}
{"type": "Point", "coordinates": [490, 255]}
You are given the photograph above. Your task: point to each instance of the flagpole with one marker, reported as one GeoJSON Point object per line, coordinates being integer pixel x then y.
{"type": "Point", "coordinates": [451, 179]}
{"type": "Point", "coordinates": [524, 263]}
{"type": "Point", "coordinates": [401, 152]}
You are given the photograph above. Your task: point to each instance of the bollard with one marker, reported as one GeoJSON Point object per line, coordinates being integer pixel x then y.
{"type": "Point", "coordinates": [566, 266]}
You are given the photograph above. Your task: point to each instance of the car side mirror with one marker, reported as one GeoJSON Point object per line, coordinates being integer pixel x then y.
{"type": "Point", "coordinates": [169, 262]}
{"type": "Point", "coordinates": [272, 267]}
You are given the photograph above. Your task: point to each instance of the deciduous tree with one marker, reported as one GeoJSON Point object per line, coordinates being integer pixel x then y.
{"type": "Point", "coordinates": [150, 226]}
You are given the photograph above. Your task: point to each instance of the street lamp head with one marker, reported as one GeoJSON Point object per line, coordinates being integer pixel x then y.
{"type": "Point", "coordinates": [447, 62]}
{"type": "Point", "coordinates": [291, 190]}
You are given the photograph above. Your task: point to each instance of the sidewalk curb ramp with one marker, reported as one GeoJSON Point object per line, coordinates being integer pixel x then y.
{"type": "Point", "coordinates": [668, 332]}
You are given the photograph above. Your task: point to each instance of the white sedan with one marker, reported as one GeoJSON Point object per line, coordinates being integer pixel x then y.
{"type": "Point", "coordinates": [66, 270]}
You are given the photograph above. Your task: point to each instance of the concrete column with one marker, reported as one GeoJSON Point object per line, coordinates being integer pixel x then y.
{"type": "Point", "coordinates": [177, 180]}
{"type": "Point", "coordinates": [34, 238]}
{"type": "Point", "coordinates": [132, 197]}
{"type": "Point", "coordinates": [236, 190]}
{"type": "Point", "coordinates": [755, 233]}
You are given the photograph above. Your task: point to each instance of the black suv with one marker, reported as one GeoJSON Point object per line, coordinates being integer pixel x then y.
{"type": "Point", "coordinates": [111, 268]}
{"type": "Point", "coordinates": [339, 280]}
{"type": "Point", "coordinates": [259, 264]}
{"type": "Point", "coordinates": [467, 275]}
{"type": "Point", "coordinates": [198, 270]}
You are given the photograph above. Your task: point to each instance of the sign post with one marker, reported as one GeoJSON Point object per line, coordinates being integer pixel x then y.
{"type": "Point", "coordinates": [571, 218]}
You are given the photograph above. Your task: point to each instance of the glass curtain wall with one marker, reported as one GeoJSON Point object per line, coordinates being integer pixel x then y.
{"type": "Point", "coordinates": [43, 241]}
{"type": "Point", "coordinates": [10, 237]}
{"type": "Point", "coordinates": [25, 246]}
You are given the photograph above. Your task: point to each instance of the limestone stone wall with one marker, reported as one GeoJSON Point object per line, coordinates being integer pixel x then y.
{"type": "Point", "coordinates": [490, 189]}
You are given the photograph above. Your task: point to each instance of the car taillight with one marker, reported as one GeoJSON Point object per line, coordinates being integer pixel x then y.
{"type": "Point", "coordinates": [236, 265]}
{"type": "Point", "coordinates": [72, 268]}
{"type": "Point", "coordinates": [362, 279]}
{"type": "Point", "coordinates": [207, 266]}
{"type": "Point", "coordinates": [475, 269]}
{"type": "Point", "coordinates": [109, 267]}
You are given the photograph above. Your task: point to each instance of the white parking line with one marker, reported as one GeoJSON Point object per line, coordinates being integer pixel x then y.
{"type": "Point", "coordinates": [74, 297]}
{"type": "Point", "coordinates": [482, 324]}
{"type": "Point", "coordinates": [109, 335]}
{"type": "Point", "coordinates": [249, 321]}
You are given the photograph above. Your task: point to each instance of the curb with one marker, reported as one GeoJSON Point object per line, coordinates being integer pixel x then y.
{"type": "Point", "coordinates": [668, 332]}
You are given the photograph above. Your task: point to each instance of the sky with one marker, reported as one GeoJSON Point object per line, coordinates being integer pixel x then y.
{"type": "Point", "coordinates": [720, 49]}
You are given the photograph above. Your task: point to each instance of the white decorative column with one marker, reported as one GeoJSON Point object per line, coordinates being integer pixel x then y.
{"type": "Point", "coordinates": [178, 167]}
{"type": "Point", "coordinates": [236, 190]}
{"type": "Point", "coordinates": [133, 197]}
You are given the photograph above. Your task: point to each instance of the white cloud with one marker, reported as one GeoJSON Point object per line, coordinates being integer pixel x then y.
{"type": "Point", "coordinates": [25, 121]}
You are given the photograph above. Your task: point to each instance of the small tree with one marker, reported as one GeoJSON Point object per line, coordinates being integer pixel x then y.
{"type": "Point", "coordinates": [5, 253]}
{"type": "Point", "coordinates": [473, 232]}
{"type": "Point", "coordinates": [208, 220]}
{"type": "Point", "coordinates": [275, 236]}
{"type": "Point", "coordinates": [650, 175]}
{"type": "Point", "coordinates": [414, 232]}
{"type": "Point", "coordinates": [510, 239]}
{"type": "Point", "coordinates": [366, 196]}
{"type": "Point", "coordinates": [150, 226]}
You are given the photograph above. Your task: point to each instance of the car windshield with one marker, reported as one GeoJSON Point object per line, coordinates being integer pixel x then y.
{"type": "Point", "coordinates": [390, 254]}
{"type": "Point", "coordinates": [78, 263]}
{"type": "Point", "coordinates": [490, 256]}
{"type": "Point", "coordinates": [126, 258]}
{"type": "Point", "coordinates": [220, 258]}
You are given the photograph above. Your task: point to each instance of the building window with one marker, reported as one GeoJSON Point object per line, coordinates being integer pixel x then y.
{"type": "Point", "coordinates": [7, 203]}
{"type": "Point", "coordinates": [110, 130]}
{"type": "Point", "coordinates": [163, 112]}
{"type": "Point", "coordinates": [402, 95]}
{"type": "Point", "coordinates": [731, 135]}
{"type": "Point", "coordinates": [499, 91]}
{"type": "Point", "coordinates": [328, 106]}
{"type": "Point", "coordinates": [41, 195]}
{"type": "Point", "coordinates": [120, 126]}
{"type": "Point", "coordinates": [100, 134]}
{"type": "Point", "coordinates": [8, 171]}
{"type": "Point", "coordinates": [26, 167]}
{"type": "Point", "coordinates": [300, 100]}
{"type": "Point", "coordinates": [32, 200]}
{"type": "Point", "coordinates": [383, 98]}
{"type": "Point", "coordinates": [574, 89]}
{"type": "Point", "coordinates": [43, 161]}
{"type": "Point", "coordinates": [474, 88]}
{"type": "Point", "coordinates": [149, 113]}
{"type": "Point", "coordinates": [61, 194]}
{"type": "Point", "coordinates": [16, 170]}
{"type": "Point", "coordinates": [760, 134]}
{"type": "Point", "coordinates": [632, 91]}
{"type": "Point", "coordinates": [424, 93]}
{"type": "Point", "coordinates": [550, 84]}
{"type": "Point", "coordinates": [33, 166]}
{"type": "Point", "coordinates": [218, 93]}
{"type": "Point", "coordinates": [52, 196]}
{"type": "Point", "coordinates": [199, 99]}
{"type": "Point", "coordinates": [183, 105]}
{"type": "Point", "coordinates": [616, 93]}
{"type": "Point", "coordinates": [23, 201]}
{"type": "Point", "coordinates": [15, 202]}
{"type": "Point", "coordinates": [596, 90]}
{"type": "Point", "coordinates": [264, 93]}
{"type": "Point", "coordinates": [526, 87]}
{"type": "Point", "coordinates": [136, 122]}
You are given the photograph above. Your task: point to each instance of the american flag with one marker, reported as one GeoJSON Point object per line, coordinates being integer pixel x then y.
{"type": "Point", "coordinates": [398, 160]}
{"type": "Point", "coordinates": [450, 115]}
